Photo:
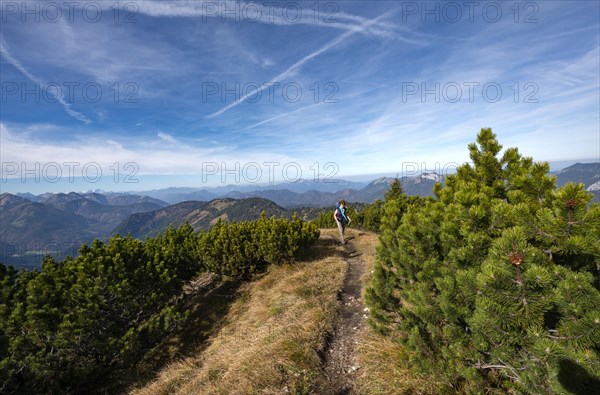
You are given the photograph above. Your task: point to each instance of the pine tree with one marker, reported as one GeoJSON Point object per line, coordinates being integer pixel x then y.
{"type": "Point", "coordinates": [395, 191]}
{"type": "Point", "coordinates": [369, 217]}
{"type": "Point", "coordinates": [381, 293]}
{"type": "Point", "coordinates": [494, 285]}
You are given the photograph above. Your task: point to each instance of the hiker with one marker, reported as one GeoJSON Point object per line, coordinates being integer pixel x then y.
{"type": "Point", "coordinates": [341, 218]}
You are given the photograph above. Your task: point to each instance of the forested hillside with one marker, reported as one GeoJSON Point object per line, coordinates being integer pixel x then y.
{"type": "Point", "coordinates": [200, 215]}
{"type": "Point", "coordinates": [57, 224]}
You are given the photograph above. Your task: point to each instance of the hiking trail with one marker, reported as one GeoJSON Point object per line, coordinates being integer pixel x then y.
{"type": "Point", "coordinates": [339, 361]}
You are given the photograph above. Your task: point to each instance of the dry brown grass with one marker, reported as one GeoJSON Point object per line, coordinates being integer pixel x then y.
{"type": "Point", "coordinates": [273, 334]}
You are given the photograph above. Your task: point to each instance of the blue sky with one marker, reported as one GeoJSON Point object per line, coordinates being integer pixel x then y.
{"type": "Point", "coordinates": [144, 95]}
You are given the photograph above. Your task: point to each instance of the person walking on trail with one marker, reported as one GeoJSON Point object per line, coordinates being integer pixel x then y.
{"type": "Point", "coordinates": [341, 218]}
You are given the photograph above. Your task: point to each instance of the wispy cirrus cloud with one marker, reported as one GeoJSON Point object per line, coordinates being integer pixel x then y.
{"type": "Point", "coordinates": [326, 16]}
{"type": "Point", "coordinates": [294, 68]}
{"type": "Point", "coordinates": [281, 115]}
{"type": "Point", "coordinates": [43, 85]}
{"type": "Point", "coordinates": [166, 137]}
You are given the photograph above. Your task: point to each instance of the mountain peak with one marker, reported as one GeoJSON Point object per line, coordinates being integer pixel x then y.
{"type": "Point", "coordinates": [432, 175]}
{"type": "Point", "coordinates": [594, 187]}
{"type": "Point", "coordinates": [8, 200]}
{"type": "Point", "coordinates": [381, 180]}
{"type": "Point", "coordinates": [593, 168]}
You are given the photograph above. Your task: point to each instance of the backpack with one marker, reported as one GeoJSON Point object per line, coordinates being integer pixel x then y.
{"type": "Point", "coordinates": [340, 214]}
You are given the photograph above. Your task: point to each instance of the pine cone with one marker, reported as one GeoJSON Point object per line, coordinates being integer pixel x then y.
{"type": "Point", "coordinates": [572, 203]}
{"type": "Point", "coordinates": [516, 258]}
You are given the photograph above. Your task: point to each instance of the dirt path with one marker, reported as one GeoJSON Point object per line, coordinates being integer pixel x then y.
{"type": "Point", "coordinates": [339, 362]}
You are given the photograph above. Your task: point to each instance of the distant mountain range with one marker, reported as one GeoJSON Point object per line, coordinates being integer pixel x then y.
{"type": "Point", "coordinates": [31, 226]}
{"type": "Point", "coordinates": [303, 193]}
{"type": "Point", "coordinates": [306, 193]}
{"type": "Point", "coordinates": [177, 195]}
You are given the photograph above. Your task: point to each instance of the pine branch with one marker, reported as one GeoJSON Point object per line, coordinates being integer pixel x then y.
{"type": "Point", "coordinates": [479, 366]}
{"type": "Point", "coordinates": [565, 337]}
{"type": "Point", "coordinates": [542, 233]}
{"type": "Point", "coordinates": [514, 376]}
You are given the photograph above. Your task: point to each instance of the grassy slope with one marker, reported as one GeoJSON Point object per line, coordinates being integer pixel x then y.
{"type": "Point", "coordinates": [272, 336]}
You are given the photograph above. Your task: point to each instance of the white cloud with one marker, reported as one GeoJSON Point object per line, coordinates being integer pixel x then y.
{"type": "Point", "coordinates": [272, 14]}
{"type": "Point", "coordinates": [167, 137]}
{"type": "Point", "coordinates": [151, 156]}
{"type": "Point", "coordinates": [66, 106]}
{"type": "Point", "coordinates": [298, 64]}
{"type": "Point", "coordinates": [281, 115]}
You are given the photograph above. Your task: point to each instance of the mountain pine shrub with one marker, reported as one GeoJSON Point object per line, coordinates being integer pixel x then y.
{"type": "Point", "coordinates": [69, 326]}
{"type": "Point", "coordinates": [493, 286]}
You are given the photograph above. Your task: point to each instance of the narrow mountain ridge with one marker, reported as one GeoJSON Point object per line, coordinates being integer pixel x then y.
{"type": "Point", "coordinates": [200, 215]}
